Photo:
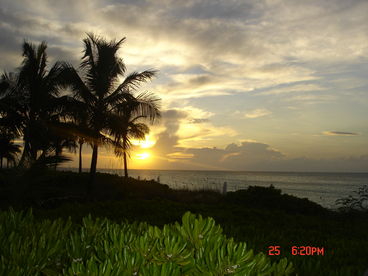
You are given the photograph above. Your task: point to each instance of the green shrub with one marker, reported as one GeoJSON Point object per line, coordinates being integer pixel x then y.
{"type": "Point", "coordinates": [102, 247]}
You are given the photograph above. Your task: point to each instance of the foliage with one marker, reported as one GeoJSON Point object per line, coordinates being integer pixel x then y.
{"type": "Point", "coordinates": [56, 195]}
{"type": "Point", "coordinates": [101, 247]}
{"type": "Point", "coordinates": [31, 107]}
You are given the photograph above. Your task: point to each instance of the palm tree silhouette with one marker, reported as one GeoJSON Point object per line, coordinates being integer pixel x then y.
{"type": "Point", "coordinates": [98, 92]}
{"type": "Point", "coordinates": [30, 105]}
{"type": "Point", "coordinates": [129, 124]}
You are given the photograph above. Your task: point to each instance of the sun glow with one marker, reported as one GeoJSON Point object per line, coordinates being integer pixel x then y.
{"type": "Point", "coordinates": [142, 156]}
{"type": "Point", "coordinates": [144, 144]}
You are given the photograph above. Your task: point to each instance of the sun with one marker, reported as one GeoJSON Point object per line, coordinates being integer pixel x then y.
{"type": "Point", "coordinates": [142, 156]}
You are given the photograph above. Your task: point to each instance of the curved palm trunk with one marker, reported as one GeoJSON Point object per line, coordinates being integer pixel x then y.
{"type": "Point", "coordinates": [125, 158]}
{"type": "Point", "coordinates": [57, 153]}
{"type": "Point", "coordinates": [125, 165]}
{"type": "Point", "coordinates": [93, 168]}
{"type": "Point", "coordinates": [25, 154]}
{"type": "Point", "coordinates": [29, 154]}
{"type": "Point", "coordinates": [80, 156]}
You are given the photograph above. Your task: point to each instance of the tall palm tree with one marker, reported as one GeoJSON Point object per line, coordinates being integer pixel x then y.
{"type": "Point", "coordinates": [129, 125]}
{"type": "Point", "coordinates": [30, 102]}
{"type": "Point", "coordinates": [98, 91]}
{"type": "Point", "coordinates": [79, 127]}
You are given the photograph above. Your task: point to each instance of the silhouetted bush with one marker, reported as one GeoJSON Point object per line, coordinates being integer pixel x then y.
{"type": "Point", "coordinates": [271, 198]}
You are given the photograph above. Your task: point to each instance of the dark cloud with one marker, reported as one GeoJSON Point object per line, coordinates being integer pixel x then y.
{"type": "Point", "coordinates": [209, 9]}
{"type": "Point", "coordinates": [10, 50]}
{"type": "Point", "coordinates": [235, 157]}
{"type": "Point", "coordinates": [199, 121]}
{"type": "Point", "coordinates": [168, 139]}
{"type": "Point", "coordinates": [57, 53]}
{"type": "Point", "coordinates": [254, 156]}
{"type": "Point", "coordinates": [350, 164]}
{"type": "Point", "coordinates": [200, 80]}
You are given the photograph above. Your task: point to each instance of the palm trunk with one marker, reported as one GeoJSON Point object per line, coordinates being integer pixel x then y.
{"type": "Point", "coordinates": [57, 153]}
{"type": "Point", "coordinates": [125, 165]}
{"type": "Point", "coordinates": [125, 157]}
{"type": "Point", "coordinates": [92, 172]}
{"type": "Point", "coordinates": [22, 161]}
{"type": "Point", "coordinates": [80, 156]}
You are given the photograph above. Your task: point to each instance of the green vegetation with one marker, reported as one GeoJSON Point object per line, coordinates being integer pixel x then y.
{"type": "Point", "coordinates": [260, 217]}
{"type": "Point", "coordinates": [101, 247]}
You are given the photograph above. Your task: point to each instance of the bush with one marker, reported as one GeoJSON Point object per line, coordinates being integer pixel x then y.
{"type": "Point", "coordinates": [101, 247]}
{"type": "Point", "coordinates": [271, 198]}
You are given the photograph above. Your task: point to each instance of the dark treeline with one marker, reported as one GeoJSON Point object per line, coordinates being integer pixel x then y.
{"type": "Point", "coordinates": [58, 108]}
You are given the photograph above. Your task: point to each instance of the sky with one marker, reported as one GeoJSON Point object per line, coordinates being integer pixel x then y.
{"type": "Point", "coordinates": [266, 85]}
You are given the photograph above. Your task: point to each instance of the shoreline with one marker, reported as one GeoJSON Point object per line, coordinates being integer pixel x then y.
{"type": "Point", "coordinates": [321, 188]}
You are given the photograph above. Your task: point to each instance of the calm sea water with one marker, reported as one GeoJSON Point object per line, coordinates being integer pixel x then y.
{"type": "Point", "coordinates": [322, 188]}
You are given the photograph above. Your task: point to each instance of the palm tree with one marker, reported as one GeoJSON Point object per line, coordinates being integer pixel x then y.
{"type": "Point", "coordinates": [79, 127]}
{"type": "Point", "coordinates": [98, 91]}
{"type": "Point", "coordinates": [129, 125]}
{"type": "Point", "coordinates": [30, 104]}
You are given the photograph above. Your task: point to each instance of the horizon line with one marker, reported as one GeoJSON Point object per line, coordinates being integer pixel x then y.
{"type": "Point", "coordinates": [191, 170]}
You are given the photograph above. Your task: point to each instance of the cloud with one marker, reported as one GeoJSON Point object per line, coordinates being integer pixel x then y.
{"type": "Point", "coordinates": [256, 156]}
{"type": "Point", "coordinates": [272, 42]}
{"type": "Point", "coordinates": [256, 113]}
{"type": "Point", "coordinates": [311, 99]}
{"type": "Point", "coordinates": [339, 133]}
{"type": "Point", "coordinates": [305, 87]}
{"type": "Point", "coordinates": [180, 155]}
{"type": "Point", "coordinates": [303, 164]}
{"type": "Point", "coordinates": [188, 127]}
{"type": "Point", "coordinates": [199, 121]}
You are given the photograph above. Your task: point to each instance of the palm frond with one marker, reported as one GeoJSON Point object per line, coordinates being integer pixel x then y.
{"type": "Point", "coordinates": [70, 78]}
{"type": "Point", "coordinates": [51, 161]}
{"type": "Point", "coordinates": [131, 82]}
{"type": "Point", "coordinates": [149, 106]}
{"type": "Point", "coordinates": [42, 59]}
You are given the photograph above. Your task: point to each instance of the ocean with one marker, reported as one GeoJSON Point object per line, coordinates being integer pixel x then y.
{"type": "Point", "coordinates": [322, 188]}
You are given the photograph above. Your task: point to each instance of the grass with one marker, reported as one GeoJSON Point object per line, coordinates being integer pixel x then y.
{"type": "Point", "coordinates": [261, 217]}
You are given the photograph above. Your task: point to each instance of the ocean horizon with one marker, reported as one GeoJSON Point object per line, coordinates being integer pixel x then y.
{"type": "Point", "coordinates": [323, 188]}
